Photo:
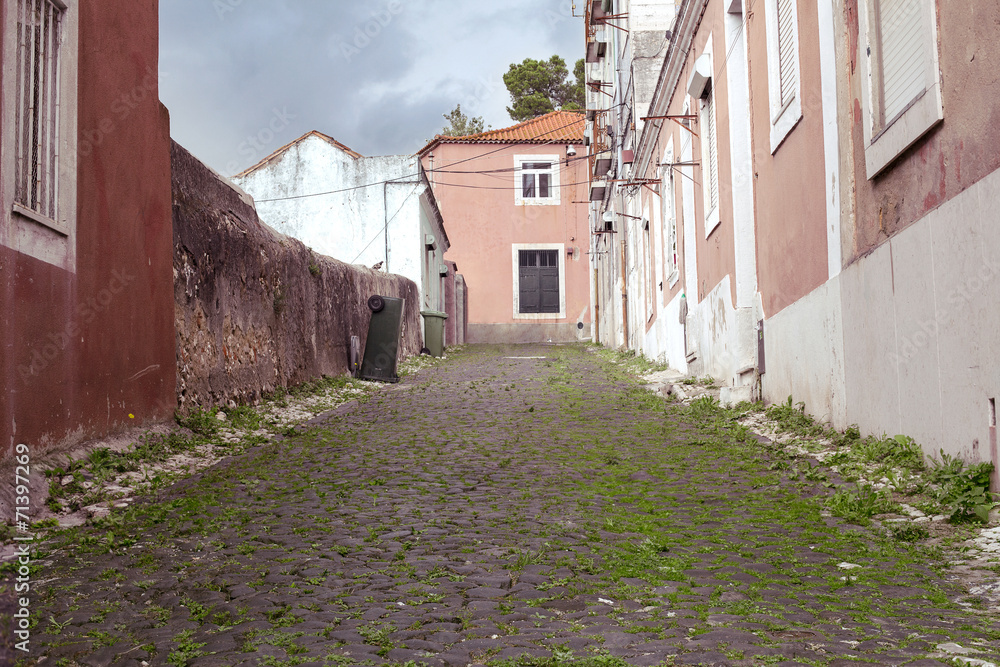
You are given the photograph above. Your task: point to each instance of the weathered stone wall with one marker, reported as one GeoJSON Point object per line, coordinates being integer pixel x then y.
{"type": "Point", "coordinates": [254, 309]}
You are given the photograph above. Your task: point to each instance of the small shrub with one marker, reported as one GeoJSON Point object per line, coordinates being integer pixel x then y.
{"type": "Point", "coordinates": [964, 492]}
{"type": "Point", "coordinates": [244, 417]}
{"type": "Point", "coordinates": [859, 506]}
{"type": "Point", "coordinates": [793, 418]}
{"type": "Point", "coordinates": [202, 422]}
{"type": "Point", "coordinates": [704, 406]}
{"type": "Point", "coordinates": [909, 532]}
{"type": "Point", "coordinates": [900, 451]}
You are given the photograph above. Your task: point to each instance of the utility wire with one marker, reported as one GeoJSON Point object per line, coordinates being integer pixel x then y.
{"type": "Point", "coordinates": [386, 226]}
{"type": "Point", "coordinates": [441, 169]}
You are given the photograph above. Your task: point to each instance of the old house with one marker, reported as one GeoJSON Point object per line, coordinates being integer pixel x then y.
{"type": "Point", "coordinates": [87, 329]}
{"type": "Point", "coordinates": [376, 211]}
{"type": "Point", "coordinates": [515, 200]}
{"type": "Point", "coordinates": [803, 209]}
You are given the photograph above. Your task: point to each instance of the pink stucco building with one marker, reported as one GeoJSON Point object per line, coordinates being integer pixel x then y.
{"type": "Point", "coordinates": [515, 201]}
{"type": "Point", "coordinates": [799, 199]}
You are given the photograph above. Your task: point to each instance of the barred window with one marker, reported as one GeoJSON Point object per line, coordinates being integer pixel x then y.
{"type": "Point", "coordinates": [36, 124]}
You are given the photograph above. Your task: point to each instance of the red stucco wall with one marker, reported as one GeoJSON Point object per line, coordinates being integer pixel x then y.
{"type": "Point", "coordinates": [92, 352]}
{"type": "Point", "coordinates": [791, 189]}
{"type": "Point", "coordinates": [944, 162]}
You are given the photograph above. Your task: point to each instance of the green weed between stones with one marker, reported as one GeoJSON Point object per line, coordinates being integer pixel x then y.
{"type": "Point", "coordinates": [688, 514]}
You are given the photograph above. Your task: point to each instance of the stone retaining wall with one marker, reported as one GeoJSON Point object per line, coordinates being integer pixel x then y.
{"type": "Point", "coordinates": [255, 309]}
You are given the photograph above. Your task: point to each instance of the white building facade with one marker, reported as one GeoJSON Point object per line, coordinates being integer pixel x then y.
{"type": "Point", "coordinates": [375, 211]}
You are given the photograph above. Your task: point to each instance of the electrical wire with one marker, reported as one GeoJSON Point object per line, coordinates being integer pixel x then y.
{"type": "Point", "coordinates": [441, 169]}
{"type": "Point", "coordinates": [386, 226]}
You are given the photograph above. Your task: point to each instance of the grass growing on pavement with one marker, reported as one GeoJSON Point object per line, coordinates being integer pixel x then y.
{"type": "Point", "coordinates": [651, 516]}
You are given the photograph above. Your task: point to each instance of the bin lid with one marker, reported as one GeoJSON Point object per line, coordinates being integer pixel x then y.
{"type": "Point", "coordinates": [434, 313]}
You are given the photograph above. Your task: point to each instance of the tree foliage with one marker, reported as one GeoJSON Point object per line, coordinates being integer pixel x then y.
{"type": "Point", "coordinates": [540, 86]}
{"type": "Point", "coordinates": [460, 125]}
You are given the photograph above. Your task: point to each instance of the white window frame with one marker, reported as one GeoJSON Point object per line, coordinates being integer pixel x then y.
{"type": "Point", "coordinates": [553, 198]}
{"type": "Point", "coordinates": [669, 215]}
{"type": "Point", "coordinates": [560, 249]}
{"type": "Point", "coordinates": [51, 240]}
{"type": "Point", "coordinates": [701, 85]}
{"type": "Point", "coordinates": [785, 115]}
{"type": "Point", "coordinates": [649, 263]}
{"type": "Point", "coordinates": [883, 144]}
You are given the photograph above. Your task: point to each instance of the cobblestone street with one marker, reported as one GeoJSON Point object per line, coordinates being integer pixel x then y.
{"type": "Point", "coordinates": [527, 505]}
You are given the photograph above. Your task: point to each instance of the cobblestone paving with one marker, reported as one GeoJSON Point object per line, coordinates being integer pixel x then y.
{"type": "Point", "coordinates": [504, 511]}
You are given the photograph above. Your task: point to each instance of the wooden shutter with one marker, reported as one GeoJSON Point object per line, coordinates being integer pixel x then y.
{"type": "Point", "coordinates": [529, 290]}
{"type": "Point", "coordinates": [711, 173]}
{"type": "Point", "coordinates": [904, 51]}
{"type": "Point", "coordinates": [787, 57]}
{"type": "Point", "coordinates": [549, 281]}
{"type": "Point", "coordinates": [538, 281]}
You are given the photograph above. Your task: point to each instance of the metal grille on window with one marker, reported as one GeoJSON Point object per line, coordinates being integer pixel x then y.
{"type": "Point", "coordinates": [712, 174]}
{"type": "Point", "coordinates": [905, 59]}
{"type": "Point", "coordinates": [37, 95]}
{"type": "Point", "coordinates": [538, 281]}
{"type": "Point", "coordinates": [787, 70]}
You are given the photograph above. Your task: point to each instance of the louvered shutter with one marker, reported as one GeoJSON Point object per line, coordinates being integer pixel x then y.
{"type": "Point", "coordinates": [712, 153]}
{"type": "Point", "coordinates": [549, 289]}
{"type": "Point", "coordinates": [787, 58]}
{"type": "Point", "coordinates": [906, 60]}
{"type": "Point", "coordinates": [528, 287]}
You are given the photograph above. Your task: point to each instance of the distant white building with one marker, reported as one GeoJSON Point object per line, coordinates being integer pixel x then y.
{"type": "Point", "coordinates": [376, 211]}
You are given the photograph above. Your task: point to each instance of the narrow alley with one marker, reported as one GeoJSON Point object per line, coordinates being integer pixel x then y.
{"type": "Point", "coordinates": [512, 505]}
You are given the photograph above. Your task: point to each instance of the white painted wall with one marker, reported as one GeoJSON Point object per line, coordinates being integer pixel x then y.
{"type": "Point", "coordinates": [904, 340]}
{"type": "Point", "coordinates": [712, 328]}
{"type": "Point", "coordinates": [804, 355]}
{"type": "Point", "coordinates": [364, 220]}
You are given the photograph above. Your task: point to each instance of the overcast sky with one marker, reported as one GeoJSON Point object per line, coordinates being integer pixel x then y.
{"type": "Point", "coordinates": [244, 77]}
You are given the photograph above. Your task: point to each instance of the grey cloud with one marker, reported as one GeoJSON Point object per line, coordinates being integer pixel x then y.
{"type": "Point", "coordinates": [376, 75]}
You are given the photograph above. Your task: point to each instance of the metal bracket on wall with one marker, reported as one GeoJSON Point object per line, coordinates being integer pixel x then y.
{"type": "Point", "coordinates": [677, 118]}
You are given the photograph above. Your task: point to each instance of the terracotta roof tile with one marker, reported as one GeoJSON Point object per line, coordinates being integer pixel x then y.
{"type": "Point", "coordinates": [553, 127]}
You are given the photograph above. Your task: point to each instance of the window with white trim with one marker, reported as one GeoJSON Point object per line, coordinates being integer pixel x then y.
{"type": "Point", "coordinates": [710, 153]}
{"type": "Point", "coordinates": [536, 179]}
{"type": "Point", "coordinates": [649, 263]}
{"type": "Point", "coordinates": [784, 90]}
{"type": "Point", "coordinates": [669, 216]}
{"type": "Point", "coordinates": [701, 87]}
{"type": "Point", "coordinates": [39, 163]}
{"type": "Point", "coordinates": [902, 99]}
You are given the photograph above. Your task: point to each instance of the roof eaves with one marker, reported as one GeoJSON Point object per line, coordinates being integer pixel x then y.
{"type": "Point", "coordinates": [267, 160]}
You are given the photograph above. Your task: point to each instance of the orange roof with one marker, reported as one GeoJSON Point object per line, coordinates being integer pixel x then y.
{"type": "Point", "coordinates": [284, 148]}
{"type": "Point", "coordinates": [554, 127]}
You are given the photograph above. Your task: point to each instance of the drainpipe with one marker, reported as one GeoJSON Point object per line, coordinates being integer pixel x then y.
{"type": "Point", "coordinates": [597, 306]}
{"type": "Point", "coordinates": [624, 288]}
